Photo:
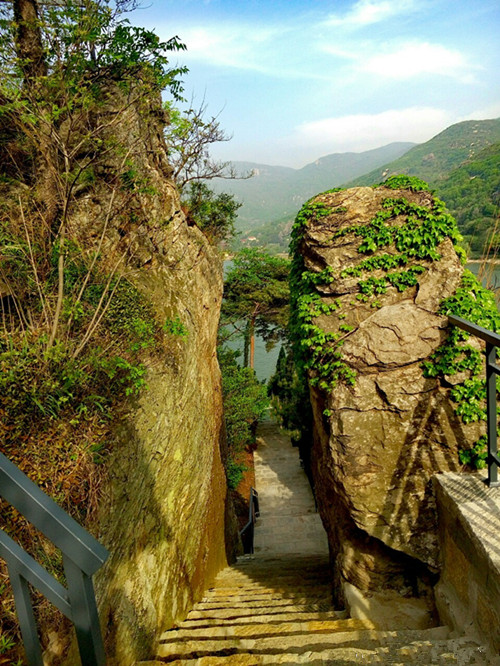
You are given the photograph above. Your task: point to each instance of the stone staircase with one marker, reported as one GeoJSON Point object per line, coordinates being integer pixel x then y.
{"type": "Point", "coordinates": [275, 607]}
{"type": "Point", "coordinates": [279, 611]}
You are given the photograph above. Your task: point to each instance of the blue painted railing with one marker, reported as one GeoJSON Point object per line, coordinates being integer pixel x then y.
{"type": "Point", "coordinates": [82, 557]}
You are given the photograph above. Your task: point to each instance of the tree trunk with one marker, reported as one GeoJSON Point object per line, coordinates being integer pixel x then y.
{"type": "Point", "coordinates": [29, 46]}
{"type": "Point", "coordinates": [252, 342]}
{"type": "Point", "coordinates": [246, 346]}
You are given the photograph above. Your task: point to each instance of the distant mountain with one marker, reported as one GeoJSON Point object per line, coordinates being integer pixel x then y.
{"type": "Point", "coordinates": [276, 192]}
{"type": "Point", "coordinates": [434, 160]}
{"type": "Point", "coordinates": [462, 164]}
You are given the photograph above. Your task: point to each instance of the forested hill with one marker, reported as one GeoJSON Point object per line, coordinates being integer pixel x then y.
{"type": "Point", "coordinates": [434, 160]}
{"type": "Point", "coordinates": [461, 164]}
{"type": "Point", "coordinates": [275, 191]}
{"type": "Point", "coordinates": [472, 194]}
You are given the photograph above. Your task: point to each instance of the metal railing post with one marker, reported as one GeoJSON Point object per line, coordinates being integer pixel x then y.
{"type": "Point", "coordinates": [26, 617]}
{"type": "Point", "coordinates": [492, 341]}
{"type": "Point", "coordinates": [84, 614]}
{"type": "Point", "coordinates": [491, 408]}
{"type": "Point", "coordinates": [249, 528]}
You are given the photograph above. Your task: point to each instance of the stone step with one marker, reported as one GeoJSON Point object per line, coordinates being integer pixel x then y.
{"type": "Point", "coordinates": [294, 643]}
{"type": "Point", "coordinates": [271, 608]}
{"type": "Point", "coordinates": [264, 594]}
{"type": "Point", "coordinates": [259, 578]}
{"type": "Point", "coordinates": [261, 630]}
{"type": "Point", "coordinates": [458, 651]}
{"type": "Point", "coordinates": [227, 618]}
{"type": "Point", "coordinates": [430, 646]}
{"type": "Point", "coordinates": [294, 562]}
{"type": "Point", "coordinates": [298, 602]}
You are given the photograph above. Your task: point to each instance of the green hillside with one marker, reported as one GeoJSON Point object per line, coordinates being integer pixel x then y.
{"type": "Point", "coordinates": [472, 194]}
{"type": "Point", "coordinates": [434, 160]}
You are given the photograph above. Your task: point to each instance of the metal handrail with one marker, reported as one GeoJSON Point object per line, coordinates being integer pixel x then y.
{"type": "Point", "coordinates": [492, 340]}
{"type": "Point", "coordinates": [253, 514]}
{"type": "Point", "coordinates": [82, 557]}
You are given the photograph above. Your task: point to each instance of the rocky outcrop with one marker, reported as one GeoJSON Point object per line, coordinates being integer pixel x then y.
{"type": "Point", "coordinates": [378, 440]}
{"type": "Point", "coordinates": [165, 516]}
{"type": "Point", "coordinates": [164, 519]}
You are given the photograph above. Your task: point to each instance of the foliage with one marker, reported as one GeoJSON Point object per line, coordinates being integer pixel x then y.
{"type": "Point", "coordinates": [82, 45]}
{"type": "Point", "coordinates": [472, 194]}
{"type": "Point", "coordinates": [245, 400]}
{"type": "Point", "coordinates": [289, 394]}
{"type": "Point", "coordinates": [214, 214]}
{"type": "Point", "coordinates": [473, 302]}
{"type": "Point", "coordinates": [423, 230]}
{"type": "Point", "coordinates": [189, 137]}
{"type": "Point", "coordinates": [175, 327]}
{"type": "Point", "coordinates": [256, 293]}
{"type": "Point", "coordinates": [404, 182]}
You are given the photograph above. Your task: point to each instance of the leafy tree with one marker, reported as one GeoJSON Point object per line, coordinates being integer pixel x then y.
{"type": "Point", "coordinates": [245, 400]}
{"type": "Point", "coordinates": [256, 294]}
{"type": "Point", "coordinates": [215, 214]}
{"type": "Point", "coordinates": [290, 400]}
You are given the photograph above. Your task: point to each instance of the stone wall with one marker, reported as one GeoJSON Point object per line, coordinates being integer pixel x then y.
{"type": "Point", "coordinates": [468, 592]}
{"type": "Point", "coordinates": [378, 441]}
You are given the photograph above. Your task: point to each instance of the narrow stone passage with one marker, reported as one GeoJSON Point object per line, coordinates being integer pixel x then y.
{"type": "Point", "coordinates": [275, 607]}
{"type": "Point", "coordinates": [288, 523]}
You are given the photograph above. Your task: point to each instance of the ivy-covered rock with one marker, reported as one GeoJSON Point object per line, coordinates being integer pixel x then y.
{"type": "Point", "coordinates": [376, 271]}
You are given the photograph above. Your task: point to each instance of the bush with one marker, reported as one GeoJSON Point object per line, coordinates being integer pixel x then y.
{"type": "Point", "coordinates": [245, 400]}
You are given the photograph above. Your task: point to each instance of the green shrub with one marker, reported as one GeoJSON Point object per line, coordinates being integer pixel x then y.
{"type": "Point", "coordinates": [245, 400]}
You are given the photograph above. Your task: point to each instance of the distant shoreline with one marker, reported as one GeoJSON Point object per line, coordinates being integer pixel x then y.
{"type": "Point", "coordinates": [483, 261]}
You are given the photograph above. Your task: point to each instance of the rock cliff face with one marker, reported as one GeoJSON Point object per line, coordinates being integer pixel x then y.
{"type": "Point", "coordinates": [164, 519]}
{"type": "Point", "coordinates": [165, 513]}
{"type": "Point", "coordinates": [380, 435]}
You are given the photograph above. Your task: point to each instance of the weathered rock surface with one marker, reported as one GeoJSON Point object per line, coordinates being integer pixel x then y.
{"type": "Point", "coordinates": [165, 513]}
{"type": "Point", "coordinates": [375, 454]}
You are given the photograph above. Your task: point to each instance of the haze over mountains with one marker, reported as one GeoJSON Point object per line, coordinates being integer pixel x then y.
{"type": "Point", "coordinates": [275, 192]}
{"type": "Point", "coordinates": [461, 163]}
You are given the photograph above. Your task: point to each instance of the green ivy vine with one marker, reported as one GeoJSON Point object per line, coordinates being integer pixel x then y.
{"type": "Point", "coordinates": [415, 239]}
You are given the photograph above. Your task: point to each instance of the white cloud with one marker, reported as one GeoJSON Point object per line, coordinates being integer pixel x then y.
{"type": "Point", "coordinates": [230, 45]}
{"type": "Point", "coordinates": [360, 132]}
{"type": "Point", "coordinates": [368, 12]}
{"type": "Point", "coordinates": [416, 58]}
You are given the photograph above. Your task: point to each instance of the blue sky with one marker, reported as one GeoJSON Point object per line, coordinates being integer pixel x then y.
{"type": "Point", "coordinates": [292, 81]}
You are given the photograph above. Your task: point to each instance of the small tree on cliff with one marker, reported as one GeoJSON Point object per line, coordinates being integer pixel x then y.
{"type": "Point", "coordinates": [215, 214]}
{"type": "Point", "coordinates": [256, 297]}
{"type": "Point", "coordinates": [189, 135]}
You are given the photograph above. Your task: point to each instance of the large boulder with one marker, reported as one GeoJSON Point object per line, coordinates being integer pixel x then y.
{"type": "Point", "coordinates": [381, 428]}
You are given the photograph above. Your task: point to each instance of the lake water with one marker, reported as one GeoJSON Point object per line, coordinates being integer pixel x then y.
{"type": "Point", "coordinates": [490, 274]}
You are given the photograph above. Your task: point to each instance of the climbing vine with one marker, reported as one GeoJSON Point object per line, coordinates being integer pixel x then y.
{"type": "Point", "coordinates": [410, 234]}
{"type": "Point", "coordinates": [473, 302]}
